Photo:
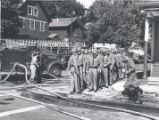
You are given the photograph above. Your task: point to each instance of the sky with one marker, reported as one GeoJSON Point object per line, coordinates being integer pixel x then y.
{"type": "Point", "coordinates": [86, 3]}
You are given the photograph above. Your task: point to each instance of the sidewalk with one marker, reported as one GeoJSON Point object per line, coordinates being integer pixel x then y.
{"type": "Point", "coordinates": [111, 95]}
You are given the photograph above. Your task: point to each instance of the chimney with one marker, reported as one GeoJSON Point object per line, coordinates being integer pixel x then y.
{"type": "Point", "coordinates": [21, 3]}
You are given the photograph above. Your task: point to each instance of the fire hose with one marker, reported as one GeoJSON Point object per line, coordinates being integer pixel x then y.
{"type": "Point", "coordinates": [35, 86]}
{"type": "Point", "coordinates": [88, 104]}
{"type": "Point", "coordinates": [20, 65]}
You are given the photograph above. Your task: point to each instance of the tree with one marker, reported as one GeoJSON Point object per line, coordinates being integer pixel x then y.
{"type": "Point", "coordinates": [10, 21]}
{"type": "Point", "coordinates": [117, 22]}
{"type": "Point", "coordinates": [64, 8]}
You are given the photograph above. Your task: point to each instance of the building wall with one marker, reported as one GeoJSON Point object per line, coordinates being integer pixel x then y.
{"type": "Point", "coordinates": [62, 33]}
{"type": "Point", "coordinates": [156, 47]}
{"type": "Point", "coordinates": [34, 34]}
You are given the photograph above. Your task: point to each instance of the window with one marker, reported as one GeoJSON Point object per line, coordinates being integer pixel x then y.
{"type": "Point", "coordinates": [30, 10]}
{"type": "Point", "coordinates": [35, 13]}
{"type": "Point", "coordinates": [42, 26]}
{"type": "Point", "coordinates": [32, 24]}
{"type": "Point", "coordinates": [23, 22]}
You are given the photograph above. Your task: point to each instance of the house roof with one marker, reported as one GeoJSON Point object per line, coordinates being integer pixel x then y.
{"type": "Point", "coordinates": [23, 7]}
{"type": "Point", "coordinates": [62, 22]}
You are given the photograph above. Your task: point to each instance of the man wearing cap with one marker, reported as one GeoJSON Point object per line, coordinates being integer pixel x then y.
{"type": "Point", "coordinates": [80, 62]}
{"type": "Point", "coordinates": [111, 68]}
{"type": "Point", "coordinates": [85, 67]}
{"type": "Point", "coordinates": [33, 66]}
{"type": "Point", "coordinates": [73, 67]}
{"type": "Point", "coordinates": [130, 72]}
{"type": "Point", "coordinates": [106, 64]}
{"type": "Point", "coordinates": [100, 72]}
{"type": "Point", "coordinates": [93, 70]}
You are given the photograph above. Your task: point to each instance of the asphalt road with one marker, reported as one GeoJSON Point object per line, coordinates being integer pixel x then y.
{"type": "Point", "coordinates": [17, 109]}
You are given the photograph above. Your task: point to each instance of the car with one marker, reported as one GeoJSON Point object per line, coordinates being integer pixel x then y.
{"type": "Point", "coordinates": [50, 62]}
{"type": "Point", "coordinates": [138, 51]}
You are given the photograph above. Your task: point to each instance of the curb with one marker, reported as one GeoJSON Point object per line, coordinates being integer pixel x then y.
{"type": "Point", "coordinates": [116, 103]}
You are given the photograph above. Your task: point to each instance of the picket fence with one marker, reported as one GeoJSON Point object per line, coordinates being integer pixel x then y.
{"type": "Point", "coordinates": [42, 43]}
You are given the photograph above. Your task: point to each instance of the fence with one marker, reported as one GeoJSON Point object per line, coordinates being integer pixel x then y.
{"type": "Point", "coordinates": [42, 43]}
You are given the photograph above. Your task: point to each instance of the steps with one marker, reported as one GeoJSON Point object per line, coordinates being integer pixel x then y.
{"type": "Point", "coordinates": [153, 81]}
{"type": "Point", "coordinates": [155, 70]}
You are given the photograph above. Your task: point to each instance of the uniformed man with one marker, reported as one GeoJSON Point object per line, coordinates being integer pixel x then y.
{"type": "Point", "coordinates": [100, 72]}
{"type": "Point", "coordinates": [33, 66]}
{"type": "Point", "coordinates": [131, 72]}
{"type": "Point", "coordinates": [80, 67]}
{"type": "Point", "coordinates": [115, 69]}
{"type": "Point", "coordinates": [85, 68]}
{"type": "Point", "coordinates": [106, 65]}
{"type": "Point", "coordinates": [73, 67]}
{"type": "Point", "coordinates": [121, 65]}
{"type": "Point", "coordinates": [93, 70]}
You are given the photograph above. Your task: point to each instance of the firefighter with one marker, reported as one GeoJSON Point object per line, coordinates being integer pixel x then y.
{"type": "Point", "coordinates": [130, 72]}
{"type": "Point", "coordinates": [73, 67]}
{"type": "Point", "coordinates": [106, 64]}
{"type": "Point", "coordinates": [93, 70]}
{"type": "Point", "coordinates": [33, 66]}
{"type": "Point", "coordinates": [100, 72]}
{"type": "Point", "coordinates": [121, 65]}
{"type": "Point", "coordinates": [80, 61]}
{"type": "Point", "coordinates": [38, 71]}
{"type": "Point", "coordinates": [115, 68]}
{"type": "Point", "coordinates": [85, 68]}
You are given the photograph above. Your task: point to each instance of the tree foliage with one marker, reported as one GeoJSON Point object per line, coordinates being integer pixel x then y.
{"type": "Point", "coordinates": [64, 8]}
{"type": "Point", "coordinates": [9, 18]}
{"type": "Point", "coordinates": [116, 22]}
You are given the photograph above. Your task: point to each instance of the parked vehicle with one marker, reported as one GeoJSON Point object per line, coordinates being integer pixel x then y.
{"type": "Point", "coordinates": [138, 51]}
{"type": "Point", "coordinates": [50, 62]}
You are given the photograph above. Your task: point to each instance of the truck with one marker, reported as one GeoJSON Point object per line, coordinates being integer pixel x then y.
{"type": "Point", "coordinates": [50, 62]}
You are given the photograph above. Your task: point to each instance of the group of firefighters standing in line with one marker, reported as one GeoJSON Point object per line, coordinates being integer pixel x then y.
{"type": "Point", "coordinates": [94, 69]}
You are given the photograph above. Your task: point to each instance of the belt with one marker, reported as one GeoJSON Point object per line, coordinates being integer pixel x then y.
{"type": "Point", "coordinates": [93, 67]}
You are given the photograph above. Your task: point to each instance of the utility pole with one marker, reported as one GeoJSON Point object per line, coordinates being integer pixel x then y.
{"type": "Point", "coordinates": [146, 47]}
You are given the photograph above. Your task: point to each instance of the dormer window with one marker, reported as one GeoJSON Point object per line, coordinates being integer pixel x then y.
{"type": "Point", "coordinates": [32, 10]}
{"type": "Point", "coordinates": [35, 13]}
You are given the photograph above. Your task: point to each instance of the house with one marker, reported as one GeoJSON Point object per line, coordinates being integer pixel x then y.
{"type": "Point", "coordinates": [67, 28]}
{"type": "Point", "coordinates": [151, 8]}
{"type": "Point", "coordinates": [35, 20]}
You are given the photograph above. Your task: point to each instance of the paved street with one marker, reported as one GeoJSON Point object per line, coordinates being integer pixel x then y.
{"type": "Point", "coordinates": [18, 109]}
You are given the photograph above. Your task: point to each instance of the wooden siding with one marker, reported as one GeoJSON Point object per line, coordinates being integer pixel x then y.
{"type": "Point", "coordinates": [25, 31]}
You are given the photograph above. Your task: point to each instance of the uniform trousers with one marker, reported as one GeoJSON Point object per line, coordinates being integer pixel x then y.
{"type": "Point", "coordinates": [105, 74]}
{"type": "Point", "coordinates": [75, 82]}
{"type": "Point", "coordinates": [33, 70]}
{"type": "Point", "coordinates": [93, 76]}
